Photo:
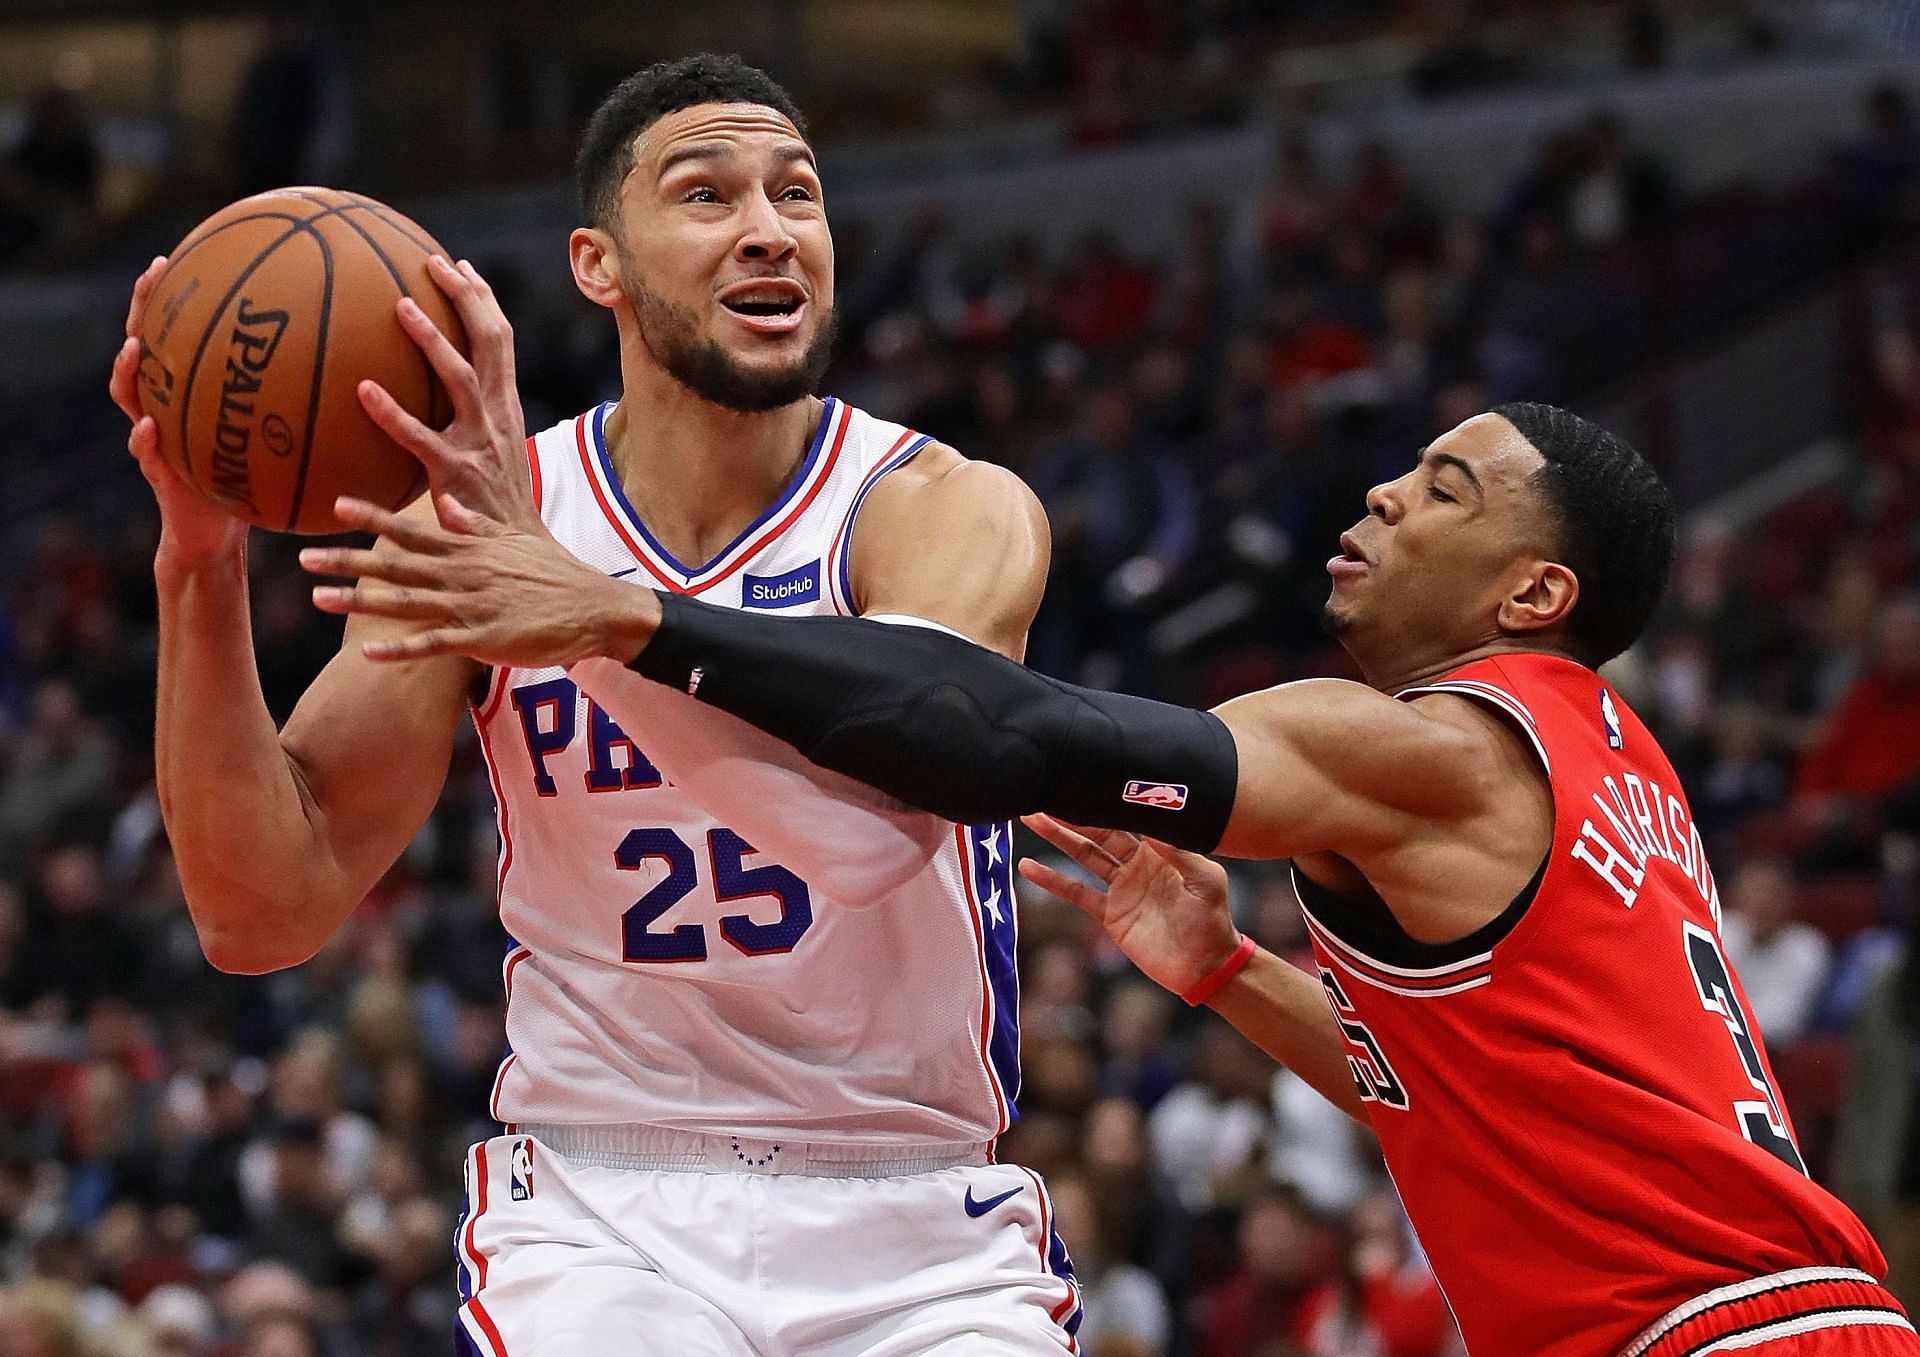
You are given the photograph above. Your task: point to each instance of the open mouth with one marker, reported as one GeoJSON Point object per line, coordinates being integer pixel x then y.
{"type": "Point", "coordinates": [784, 306]}
{"type": "Point", "coordinates": [765, 301]}
{"type": "Point", "coordinates": [1350, 561]}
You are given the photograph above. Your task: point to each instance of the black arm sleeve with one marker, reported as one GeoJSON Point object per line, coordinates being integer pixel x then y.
{"type": "Point", "coordinates": [950, 726]}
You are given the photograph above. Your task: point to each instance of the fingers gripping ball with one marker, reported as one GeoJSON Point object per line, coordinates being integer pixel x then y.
{"type": "Point", "coordinates": [269, 315]}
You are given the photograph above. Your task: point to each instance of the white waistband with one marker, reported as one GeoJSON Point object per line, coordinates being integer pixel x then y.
{"type": "Point", "coordinates": [1680, 1314]}
{"type": "Point", "coordinates": [657, 1148]}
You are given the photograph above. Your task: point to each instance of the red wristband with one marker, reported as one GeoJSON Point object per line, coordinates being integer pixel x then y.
{"type": "Point", "coordinates": [1232, 966]}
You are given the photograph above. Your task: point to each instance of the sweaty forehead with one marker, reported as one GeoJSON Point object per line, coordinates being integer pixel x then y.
{"type": "Point", "coordinates": [1500, 455]}
{"type": "Point", "coordinates": [744, 127]}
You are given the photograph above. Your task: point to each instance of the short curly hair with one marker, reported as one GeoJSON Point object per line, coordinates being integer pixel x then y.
{"type": "Point", "coordinates": [1615, 522]}
{"type": "Point", "coordinates": [645, 97]}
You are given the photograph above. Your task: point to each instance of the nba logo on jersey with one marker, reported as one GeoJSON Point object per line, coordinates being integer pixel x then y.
{"type": "Point", "coordinates": [1159, 795]}
{"type": "Point", "coordinates": [1611, 718]}
{"type": "Point", "coordinates": [520, 1185]}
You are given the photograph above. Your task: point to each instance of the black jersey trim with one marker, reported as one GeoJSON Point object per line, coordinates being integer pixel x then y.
{"type": "Point", "coordinates": [1368, 927]}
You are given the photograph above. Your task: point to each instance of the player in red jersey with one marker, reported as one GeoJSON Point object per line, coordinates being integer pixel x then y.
{"type": "Point", "coordinates": [1521, 985]}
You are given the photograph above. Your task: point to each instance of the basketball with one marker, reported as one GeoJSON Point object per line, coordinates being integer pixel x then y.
{"type": "Point", "coordinates": [269, 314]}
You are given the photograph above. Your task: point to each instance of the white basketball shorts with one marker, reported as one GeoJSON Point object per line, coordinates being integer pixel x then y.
{"type": "Point", "coordinates": [753, 1249]}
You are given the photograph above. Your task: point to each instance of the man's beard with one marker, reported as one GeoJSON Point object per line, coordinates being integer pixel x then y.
{"type": "Point", "coordinates": [1334, 622]}
{"type": "Point", "coordinates": [704, 367]}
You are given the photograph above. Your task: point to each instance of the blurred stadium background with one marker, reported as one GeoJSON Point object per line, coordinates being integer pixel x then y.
{"type": "Point", "coordinates": [1201, 272]}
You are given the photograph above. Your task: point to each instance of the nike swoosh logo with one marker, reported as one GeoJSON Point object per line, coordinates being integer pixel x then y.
{"type": "Point", "coordinates": [975, 1208]}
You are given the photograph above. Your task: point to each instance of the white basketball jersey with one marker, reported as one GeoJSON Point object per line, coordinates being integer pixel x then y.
{"type": "Point", "coordinates": [664, 973]}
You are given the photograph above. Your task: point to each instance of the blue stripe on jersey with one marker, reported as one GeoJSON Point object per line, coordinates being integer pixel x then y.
{"type": "Point", "coordinates": [992, 849]}
{"type": "Point", "coordinates": [1061, 1266]}
{"type": "Point", "coordinates": [633, 518]}
{"type": "Point", "coordinates": [894, 463]}
{"type": "Point", "coordinates": [462, 1279]}
{"type": "Point", "coordinates": [463, 1344]}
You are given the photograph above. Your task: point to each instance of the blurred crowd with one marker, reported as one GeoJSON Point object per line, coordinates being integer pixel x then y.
{"type": "Point", "coordinates": [203, 1165]}
{"type": "Point", "coordinates": [1103, 71]}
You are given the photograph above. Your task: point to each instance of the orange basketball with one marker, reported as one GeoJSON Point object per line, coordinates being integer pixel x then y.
{"type": "Point", "coordinates": [268, 315]}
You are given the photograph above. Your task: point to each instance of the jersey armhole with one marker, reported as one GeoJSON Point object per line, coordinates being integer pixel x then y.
{"type": "Point", "coordinates": [1381, 937]}
{"type": "Point", "coordinates": [839, 584]}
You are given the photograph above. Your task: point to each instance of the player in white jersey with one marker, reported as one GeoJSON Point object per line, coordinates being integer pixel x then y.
{"type": "Point", "coordinates": [762, 1022]}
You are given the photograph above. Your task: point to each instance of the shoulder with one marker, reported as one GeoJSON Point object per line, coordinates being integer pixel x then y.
{"type": "Point", "coordinates": [939, 480]}
{"type": "Point", "coordinates": [1438, 751]}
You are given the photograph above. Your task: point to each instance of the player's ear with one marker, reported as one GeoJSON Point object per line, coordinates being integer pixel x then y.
{"type": "Point", "coordinates": [596, 265]}
{"type": "Point", "coordinates": [1541, 598]}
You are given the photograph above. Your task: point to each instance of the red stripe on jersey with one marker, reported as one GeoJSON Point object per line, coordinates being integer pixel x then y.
{"type": "Point", "coordinates": [487, 1325]}
{"type": "Point", "coordinates": [500, 879]}
{"type": "Point", "coordinates": [479, 1210]}
{"type": "Point", "coordinates": [533, 471]}
{"type": "Point", "coordinates": [986, 981]}
{"type": "Point", "coordinates": [1065, 1307]}
{"type": "Point", "coordinates": [1452, 979]}
{"type": "Point", "coordinates": [593, 483]}
{"type": "Point", "coordinates": [500, 1075]}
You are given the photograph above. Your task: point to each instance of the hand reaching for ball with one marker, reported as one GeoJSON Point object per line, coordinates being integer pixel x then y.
{"type": "Point", "coordinates": [480, 459]}
{"type": "Point", "coordinates": [193, 529]}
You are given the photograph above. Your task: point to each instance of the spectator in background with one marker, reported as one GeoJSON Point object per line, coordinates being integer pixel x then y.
{"type": "Point", "coordinates": [1782, 963]}
{"type": "Point", "coordinates": [1125, 516]}
{"type": "Point", "coordinates": [39, 1319]}
{"type": "Point", "coordinates": [77, 949]}
{"type": "Point", "coordinates": [50, 182]}
{"type": "Point", "coordinates": [1206, 1133]}
{"type": "Point", "coordinates": [1318, 1148]}
{"type": "Point", "coordinates": [61, 774]}
{"type": "Point", "coordinates": [1263, 1305]}
{"type": "Point", "coordinates": [1876, 1158]}
{"type": "Point", "coordinates": [1126, 1311]}
{"type": "Point", "coordinates": [1885, 161]}
{"type": "Point", "coordinates": [1383, 1300]}
{"type": "Point", "coordinates": [294, 1220]}
{"type": "Point", "coordinates": [1614, 195]}
{"type": "Point", "coordinates": [1871, 745]}
{"type": "Point", "coordinates": [278, 111]}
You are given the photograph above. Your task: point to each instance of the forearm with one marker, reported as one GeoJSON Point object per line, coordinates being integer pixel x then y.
{"type": "Point", "coordinates": [1283, 1011]}
{"type": "Point", "coordinates": [949, 726]}
{"type": "Point", "coordinates": [235, 814]}
{"type": "Point", "coordinates": [851, 843]}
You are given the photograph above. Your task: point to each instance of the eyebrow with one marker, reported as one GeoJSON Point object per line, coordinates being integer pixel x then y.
{"type": "Point", "coordinates": [1448, 459]}
{"type": "Point", "coordinates": [720, 150]}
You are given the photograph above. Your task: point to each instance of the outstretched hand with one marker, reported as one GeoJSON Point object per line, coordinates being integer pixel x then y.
{"type": "Point", "coordinates": [1166, 909]}
{"type": "Point", "coordinates": [477, 587]}
{"type": "Point", "coordinates": [480, 459]}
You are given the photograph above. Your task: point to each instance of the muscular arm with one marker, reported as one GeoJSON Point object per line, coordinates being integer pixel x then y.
{"type": "Point", "coordinates": [278, 835]}
{"type": "Point", "coordinates": [1321, 766]}
{"type": "Point", "coordinates": [958, 543]}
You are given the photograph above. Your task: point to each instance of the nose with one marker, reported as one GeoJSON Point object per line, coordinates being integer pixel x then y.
{"type": "Point", "coordinates": [764, 235]}
{"type": "Point", "coordinates": [1385, 503]}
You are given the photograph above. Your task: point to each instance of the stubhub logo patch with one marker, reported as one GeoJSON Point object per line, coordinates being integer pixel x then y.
{"type": "Point", "coordinates": [782, 591]}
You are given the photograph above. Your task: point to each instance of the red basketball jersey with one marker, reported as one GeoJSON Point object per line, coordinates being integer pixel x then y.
{"type": "Point", "coordinates": [1573, 1101]}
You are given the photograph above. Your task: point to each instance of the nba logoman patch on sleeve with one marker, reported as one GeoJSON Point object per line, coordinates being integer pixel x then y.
{"type": "Point", "coordinates": [520, 1183]}
{"type": "Point", "coordinates": [1159, 795]}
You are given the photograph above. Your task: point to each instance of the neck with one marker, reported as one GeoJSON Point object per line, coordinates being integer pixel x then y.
{"type": "Point", "coordinates": [1399, 673]}
{"type": "Point", "coordinates": [696, 472]}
